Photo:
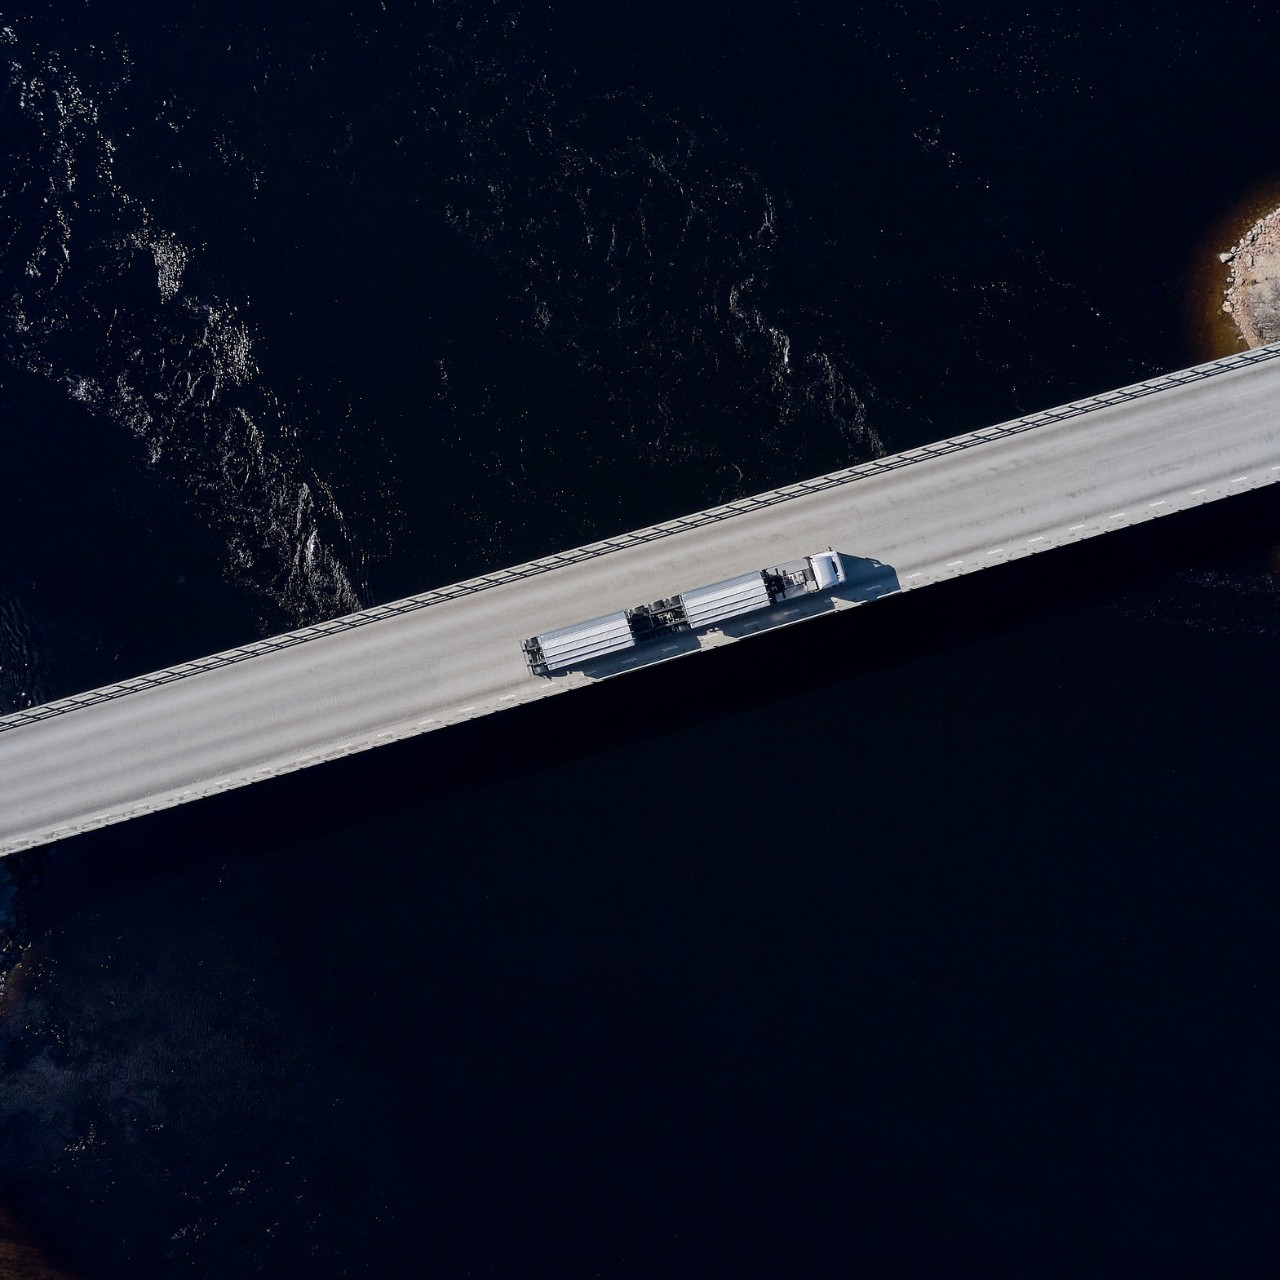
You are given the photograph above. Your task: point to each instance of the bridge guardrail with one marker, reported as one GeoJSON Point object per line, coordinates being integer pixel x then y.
{"type": "Point", "coordinates": [650, 533]}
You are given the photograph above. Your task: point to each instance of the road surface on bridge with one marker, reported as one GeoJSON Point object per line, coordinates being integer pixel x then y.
{"type": "Point", "coordinates": [903, 522]}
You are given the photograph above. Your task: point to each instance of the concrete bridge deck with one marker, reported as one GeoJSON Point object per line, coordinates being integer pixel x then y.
{"type": "Point", "coordinates": [902, 522]}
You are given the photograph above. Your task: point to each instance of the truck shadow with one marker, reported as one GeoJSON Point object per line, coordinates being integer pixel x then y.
{"type": "Point", "coordinates": [643, 655]}
{"type": "Point", "coordinates": [865, 579]}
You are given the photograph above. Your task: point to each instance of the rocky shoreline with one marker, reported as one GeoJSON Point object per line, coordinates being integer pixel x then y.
{"type": "Point", "coordinates": [20, 1257]}
{"type": "Point", "coordinates": [1252, 297]}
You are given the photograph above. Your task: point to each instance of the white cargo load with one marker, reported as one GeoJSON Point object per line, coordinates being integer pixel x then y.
{"type": "Point", "coordinates": [744, 594]}
{"type": "Point", "coordinates": [586, 640]}
{"type": "Point", "coordinates": [690, 611]}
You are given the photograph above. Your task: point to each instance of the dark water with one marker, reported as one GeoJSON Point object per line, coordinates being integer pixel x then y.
{"type": "Point", "coordinates": [937, 941]}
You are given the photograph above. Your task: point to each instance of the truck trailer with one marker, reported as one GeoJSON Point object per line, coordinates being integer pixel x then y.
{"type": "Point", "coordinates": [693, 610]}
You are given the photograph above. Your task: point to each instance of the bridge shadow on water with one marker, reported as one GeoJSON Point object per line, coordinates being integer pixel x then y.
{"type": "Point", "coordinates": [531, 968]}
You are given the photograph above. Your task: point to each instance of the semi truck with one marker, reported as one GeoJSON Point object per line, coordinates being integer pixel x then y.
{"type": "Point", "coordinates": [693, 610]}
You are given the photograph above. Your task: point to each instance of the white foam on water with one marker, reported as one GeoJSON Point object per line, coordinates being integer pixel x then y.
{"type": "Point", "coordinates": [182, 373]}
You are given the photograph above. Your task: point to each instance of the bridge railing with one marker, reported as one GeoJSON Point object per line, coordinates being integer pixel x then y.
{"type": "Point", "coordinates": [650, 533]}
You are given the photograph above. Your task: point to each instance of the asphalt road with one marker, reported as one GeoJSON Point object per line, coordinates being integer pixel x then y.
{"type": "Point", "coordinates": [960, 506]}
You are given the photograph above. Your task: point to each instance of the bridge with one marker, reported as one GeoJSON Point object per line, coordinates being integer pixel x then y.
{"type": "Point", "coordinates": [387, 673]}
